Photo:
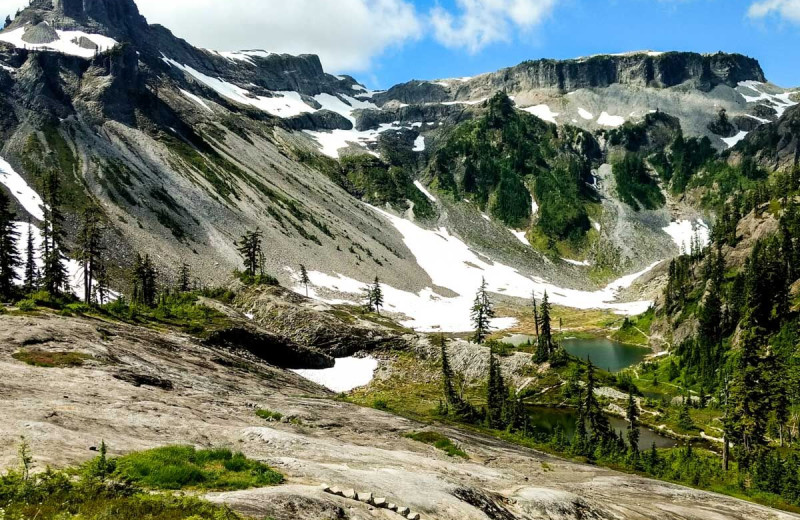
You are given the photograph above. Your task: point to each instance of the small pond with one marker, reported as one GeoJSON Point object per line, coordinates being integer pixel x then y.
{"type": "Point", "coordinates": [604, 353]}
{"type": "Point", "coordinates": [546, 419]}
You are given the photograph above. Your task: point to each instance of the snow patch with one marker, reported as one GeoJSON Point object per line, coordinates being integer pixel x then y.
{"type": "Point", "coordinates": [520, 236]}
{"type": "Point", "coordinates": [419, 144]}
{"type": "Point", "coordinates": [732, 141]}
{"type": "Point", "coordinates": [684, 232]}
{"type": "Point", "coordinates": [585, 263]}
{"type": "Point", "coordinates": [197, 99]}
{"type": "Point", "coordinates": [606, 119]}
{"type": "Point", "coordinates": [780, 102]}
{"type": "Point", "coordinates": [347, 374]}
{"type": "Point", "coordinates": [542, 112]}
{"type": "Point", "coordinates": [27, 197]}
{"type": "Point", "coordinates": [424, 191]}
{"type": "Point", "coordinates": [585, 114]}
{"type": "Point", "coordinates": [65, 43]}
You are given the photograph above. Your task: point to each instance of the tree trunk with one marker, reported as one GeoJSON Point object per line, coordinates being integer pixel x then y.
{"type": "Point", "coordinates": [725, 452]}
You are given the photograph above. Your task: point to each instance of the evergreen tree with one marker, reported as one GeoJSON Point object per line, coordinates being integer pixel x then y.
{"type": "Point", "coordinates": [304, 279]}
{"type": "Point", "coordinates": [598, 422]}
{"type": "Point", "coordinates": [54, 273]}
{"type": "Point", "coordinates": [580, 440]}
{"type": "Point", "coordinates": [88, 250]}
{"type": "Point", "coordinates": [482, 314]}
{"type": "Point", "coordinates": [101, 289]}
{"type": "Point", "coordinates": [377, 295]}
{"type": "Point", "coordinates": [535, 314]}
{"type": "Point", "coordinates": [249, 246]}
{"type": "Point", "coordinates": [144, 281]}
{"type": "Point", "coordinates": [9, 257]}
{"type": "Point", "coordinates": [30, 282]}
{"type": "Point", "coordinates": [633, 426]}
{"type": "Point", "coordinates": [369, 298]}
{"type": "Point", "coordinates": [450, 395]}
{"type": "Point", "coordinates": [495, 394]}
{"type": "Point", "coordinates": [184, 278]}
{"type": "Point", "coordinates": [544, 347]}
{"type": "Point", "coordinates": [7, 22]}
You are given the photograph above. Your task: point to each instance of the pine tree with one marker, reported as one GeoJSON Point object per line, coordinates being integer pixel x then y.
{"type": "Point", "coordinates": [101, 289]}
{"type": "Point", "coordinates": [535, 315]}
{"type": "Point", "coordinates": [598, 422]}
{"type": "Point", "coordinates": [369, 298]}
{"type": "Point", "coordinates": [54, 272]}
{"type": "Point", "coordinates": [249, 246]}
{"type": "Point", "coordinates": [450, 395]}
{"type": "Point", "coordinates": [544, 348]}
{"type": "Point", "coordinates": [495, 394]}
{"type": "Point", "coordinates": [482, 314]}
{"type": "Point", "coordinates": [30, 282]}
{"type": "Point", "coordinates": [633, 426]}
{"type": "Point", "coordinates": [9, 257]}
{"type": "Point", "coordinates": [377, 295]}
{"type": "Point", "coordinates": [144, 281]}
{"type": "Point", "coordinates": [580, 440]}
{"type": "Point", "coordinates": [7, 22]}
{"type": "Point", "coordinates": [88, 250]}
{"type": "Point", "coordinates": [304, 279]}
{"type": "Point", "coordinates": [184, 278]}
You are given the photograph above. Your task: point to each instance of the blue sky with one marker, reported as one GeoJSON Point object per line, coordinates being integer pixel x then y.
{"type": "Point", "coordinates": [384, 42]}
{"type": "Point", "coordinates": [583, 27]}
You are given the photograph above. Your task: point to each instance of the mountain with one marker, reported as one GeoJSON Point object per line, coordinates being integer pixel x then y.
{"type": "Point", "coordinates": [184, 149]}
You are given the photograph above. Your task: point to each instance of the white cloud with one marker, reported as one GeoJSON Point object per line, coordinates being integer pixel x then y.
{"type": "Point", "coordinates": [787, 9]}
{"type": "Point", "coordinates": [483, 22]}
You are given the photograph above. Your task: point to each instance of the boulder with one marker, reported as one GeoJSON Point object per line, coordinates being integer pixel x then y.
{"type": "Point", "coordinates": [413, 516]}
{"type": "Point", "coordinates": [350, 494]}
{"type": "Point", "coordinates": [380, 502]}
{"type": "Point", "coordinates": [40, 34]}
{"type": "Point", "coordinates": [367, 498]}
{"type": "Point", "coordinates": [403, 511]}
{"type": "Point", "coordinates": [391, 507]}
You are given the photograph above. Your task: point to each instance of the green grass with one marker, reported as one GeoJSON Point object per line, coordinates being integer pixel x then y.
{"type": "Point", "coordinates": [184, 467]}
{"type": "Point", "coordinates": [438, 441]}
{"type": "Point", "coordinates": [269, 415]}
{"type": "Point", "coordinates": [41, 358]}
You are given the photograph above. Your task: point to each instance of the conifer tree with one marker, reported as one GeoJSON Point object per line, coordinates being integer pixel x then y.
{"type": "Point", "coordinates": [535, 314]}
{"type": "Point", "coordinates": [580, 440]}
{"type": "Point", "coordinates": [450, 395]}
{"type": "Point", "coordinates": [30, 282]}
{"type": "Point", "coordinates": [144, 281]}
{"type": "Point", "coordinates": [482, 314]}
{"type": "Point", "coordinates": [101, 289]}
{"type": "Point", "coordinates": [9, 256]}
{"type": "Point", "coordinates": [304, 279]}
{"type": "Point", "coordinates": [249, 246]}
{"type": "Point", "coordinates": [369, 298]}
{"type": "Point", "coordinates": [544, 347]}
{"type": "Point", "coordinates": [88, 250]}
{"type": "Point", "coordinates": [54, 272]}
{"type": "Point", "coordinates": [598, 422]}
{"type": "Point", "coordinates": [495, 394]}
{"type": "Point", "coordinates": [184, 278]}
{"type": "Point", "coordinates": [377, 295]}
{"type": "Point", "coordinates": [632, 414]}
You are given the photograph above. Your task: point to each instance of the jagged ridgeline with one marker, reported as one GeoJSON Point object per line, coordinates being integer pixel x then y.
{"type": "Point", "coordinates": [507, 158]}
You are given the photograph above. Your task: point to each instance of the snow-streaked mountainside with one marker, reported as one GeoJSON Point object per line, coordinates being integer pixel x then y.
{"type": "Point", "coordinates": [184, 149]}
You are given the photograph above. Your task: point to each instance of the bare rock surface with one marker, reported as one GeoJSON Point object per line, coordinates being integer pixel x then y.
{"type": "Point", "coordinates": [65, 411]}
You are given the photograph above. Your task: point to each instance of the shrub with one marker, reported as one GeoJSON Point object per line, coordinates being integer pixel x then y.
{"type": "Point", "coordinates": [41, 358]}
{"type": "Point", "coordinates": [26, 305]}
{"type": "Point", "coordinates": [440, 442]}
{"type": "Point", "coordinates": [269, 415]}
{"type": "Point", "coordinates": [182, 467]}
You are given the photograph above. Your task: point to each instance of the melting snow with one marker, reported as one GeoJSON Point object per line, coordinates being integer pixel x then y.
{"type": "Point", "coordinates": [347, 374]}
{"type": "Point", "coordinates": [542, 112]}
{"type": "Point", "coordinates": [29, 199]}
{"type": "Point", "coordinates": [451, 264]}
{"type": "Point", "coordinates": [419, 144]}
{"type": "Point", "coordinates": [424, 191]}
{"type": "Point", "coordinates": [780, 102]}
{"type": "Point", "coordinates": [65, 43]}
{"type": "Point", "coordinates": [732, 141]}
{"type": "Point", "coordinates": [683, 233]}
{"type": "Point", "coordinates": [608, 120]}
{"type": "Point", "coordinates": [284, 104]}
{"type": "Point", "coordinates": [520, 236]}
{"type": "Point", "coordinates": [200, 101]}
{"type": "Point", "coordinates": [534, 207]}
{"type": "Point", "coordinates": [585, 114]}
{"type": "Point", "coordinates": [585, 263]}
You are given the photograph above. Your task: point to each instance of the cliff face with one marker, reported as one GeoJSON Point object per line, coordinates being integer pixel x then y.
{"type": "Point", "coordinates": [640, 69]}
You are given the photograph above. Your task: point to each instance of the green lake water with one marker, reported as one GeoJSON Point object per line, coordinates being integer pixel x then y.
{"type": "Point", "coordinates": [604, 353]}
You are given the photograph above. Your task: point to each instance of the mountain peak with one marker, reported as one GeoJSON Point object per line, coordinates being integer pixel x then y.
{"type": "Point", "coordinates": [118, 19]}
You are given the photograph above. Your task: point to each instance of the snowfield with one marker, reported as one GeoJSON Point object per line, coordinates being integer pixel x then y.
{"type": "Point", "coordinates": [542, 112]}
{"type": "Point", "coordinates": [683, 232]}
{"type": "Point", "coordinates": [65, 43]}
{"type": "Point", "coordinates": [732, 141]}
{"type": "Point", "coordinates": [28, 199]}
{"type": "Point", "coordinates": [347, 374]}
{"type": "Point", "coordinates": [451, 264]}
{"type": "Point", "coordinates": [608, 120]}
{"type": "Point", "coordinates": [424, 191]}
{"type": "Point", "coordinates": [780, 102]}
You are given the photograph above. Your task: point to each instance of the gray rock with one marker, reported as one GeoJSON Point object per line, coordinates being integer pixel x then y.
{"type": "Point", "coordinates": [413, 516]}
{"type": "Point", "coordinates": [403, 511]}
{"type": "Point", "coordinates": [391, 507]}
{"type": "Point", "coordinates": [40, 34]}
{"type": "Point", "coordinates": [85, 43]}
{"type": "Point", "coordinates": [365, 497]}
{"type": "Point", "coordinates": [349, 494]}
{"type": "Point", "coordinates": [380, 502]}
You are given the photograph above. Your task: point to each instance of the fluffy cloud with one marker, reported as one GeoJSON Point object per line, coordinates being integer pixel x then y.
{"type": "Point", "coordinates": [482, 22]}
{"type": "Point", "coordinates": [787, 9]}
{"type": "Point", "coordinates": [347, 34]}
